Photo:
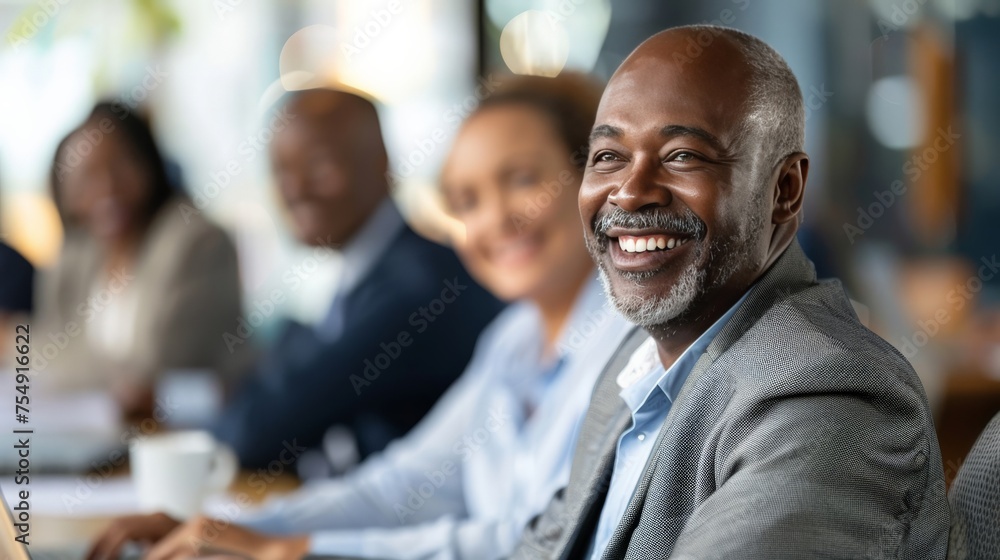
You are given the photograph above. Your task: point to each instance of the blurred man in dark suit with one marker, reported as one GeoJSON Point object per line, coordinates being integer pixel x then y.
{"type": "Point", "coordinates": [405, 315]}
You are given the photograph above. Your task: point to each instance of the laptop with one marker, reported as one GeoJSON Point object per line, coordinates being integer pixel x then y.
{"type": "Point", "coordinates": [12, 549]}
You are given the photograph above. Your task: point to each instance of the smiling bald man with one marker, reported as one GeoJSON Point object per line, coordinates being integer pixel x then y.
{"type": "Point", "coordinates": [751, 415]}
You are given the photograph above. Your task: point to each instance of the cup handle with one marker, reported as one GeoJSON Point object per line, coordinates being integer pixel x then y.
{"type": "Point", "coordinates": [224, 468]}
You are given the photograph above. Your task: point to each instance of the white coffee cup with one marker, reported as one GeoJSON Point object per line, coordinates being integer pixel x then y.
{"type": "Point", "coordinates": [174, 472]}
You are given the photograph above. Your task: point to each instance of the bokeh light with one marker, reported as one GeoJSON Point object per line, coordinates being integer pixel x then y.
{"type": "Point", "coordinates": [534, 43]}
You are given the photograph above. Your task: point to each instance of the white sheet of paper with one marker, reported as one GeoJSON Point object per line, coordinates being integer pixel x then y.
{"type": "Point", "coordinates": [93, 496]}
{"type": "Point", "coordinates": [75, 496]}
{"type": "Point", "coordinates": [90, 412]}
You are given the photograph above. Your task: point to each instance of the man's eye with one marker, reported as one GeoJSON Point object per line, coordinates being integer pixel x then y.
{"type": "Point", "coordinates": [524, 179]}
{"type": "Point", "coordinates": [683, 157]}
{"type": "Point", "coordinates": [604, 157]}
{"type": "Point", "coordinates": [460, 204]}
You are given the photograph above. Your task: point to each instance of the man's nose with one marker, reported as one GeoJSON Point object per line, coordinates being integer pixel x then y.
{"type": "Point", "coordinates": [643, 186]}
{"type": "Point", "coordinates": [101, 184]}
{"type": "Point", "coordinates": [498, 216]}
{"type": "Point", "coordinates": [293, 186]}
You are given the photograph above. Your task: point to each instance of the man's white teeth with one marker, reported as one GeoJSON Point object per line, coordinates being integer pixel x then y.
{"type": "Point", "coordinates": [631, 244]}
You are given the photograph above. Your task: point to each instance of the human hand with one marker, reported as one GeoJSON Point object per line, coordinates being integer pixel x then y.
{"type": "Point", "coordinates": [203, 536]}
{"type": "Point", "coordinates": [133, 528]}
{"type": "Point", "coordinates": [136, 399]}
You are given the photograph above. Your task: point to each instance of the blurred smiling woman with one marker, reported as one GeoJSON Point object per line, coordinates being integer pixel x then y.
{"type": "Point", "coordinates": [512, 179]}
{"type": "Point", "coordinates": [140, 287]}
{"type": "Point", "coordinates": [496, 447]}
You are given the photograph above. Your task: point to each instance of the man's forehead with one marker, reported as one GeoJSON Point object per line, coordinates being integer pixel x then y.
{"type": "Point", "coordinates": [664, 71]}
{"type": "Point", "coordinates": [692, 50]}
{"type": "Point", "coordinates": [653, 94]}
{"type": "Point", "coordinates": [313, 129]}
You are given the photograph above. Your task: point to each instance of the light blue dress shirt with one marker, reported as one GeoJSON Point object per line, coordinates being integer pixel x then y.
{"type": "Point", "coordinates": [649, 398]}
{"type": "Point", "coordinates": [481, 464]}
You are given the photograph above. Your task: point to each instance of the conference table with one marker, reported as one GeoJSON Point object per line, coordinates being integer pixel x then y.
{"type": "Point", "coordinates": [60, 519]}
{"type": "Point", "coordinates": [78, 476]}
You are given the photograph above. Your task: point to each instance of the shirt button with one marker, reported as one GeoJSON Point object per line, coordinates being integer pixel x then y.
{"type": "Point", "coordinates": [641, 436]}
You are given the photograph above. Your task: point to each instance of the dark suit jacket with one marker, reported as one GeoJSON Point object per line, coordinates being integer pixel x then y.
{"type": "Point", "coordinates": [798, 434]}
{"type": "Point", "coordinates": [409, 329]}
{"type": "Point", "coordinates": [17, 278]}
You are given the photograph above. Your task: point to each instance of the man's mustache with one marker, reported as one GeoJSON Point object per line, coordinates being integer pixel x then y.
{"type": "Point", "coordinates": [684, 222]}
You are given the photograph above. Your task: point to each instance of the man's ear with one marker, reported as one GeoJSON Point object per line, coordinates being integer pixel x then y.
{"type": "Point", "coordinates": [789, 188]}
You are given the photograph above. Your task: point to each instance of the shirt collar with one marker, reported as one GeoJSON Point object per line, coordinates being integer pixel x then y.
{"type": "Point", "coordinates": [368, 244]}
{"type": "Point", "coordinates": [644, 372]}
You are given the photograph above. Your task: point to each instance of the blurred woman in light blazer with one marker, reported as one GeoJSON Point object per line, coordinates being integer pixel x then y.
{"type": "Point", "coordinates": [143, 283]}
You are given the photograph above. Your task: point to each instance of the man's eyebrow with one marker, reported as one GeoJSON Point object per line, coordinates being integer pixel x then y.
{"type": "Point", "coordinates": [605, 131]}
{"type": "Point", "coordinates": [669, 131]}
{"type": "Point", "coordinates": [713, 141]}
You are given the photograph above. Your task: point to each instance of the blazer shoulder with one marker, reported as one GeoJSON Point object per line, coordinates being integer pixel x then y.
{"type": "Point", "coordinates": [179, 238]}
{"type": "Point", "coordinates": [181, 225]}
{"type": "Point", "coordinates": [410, 245]}
{"type": "Point", "coordinates": [813, 342]}
{"type": "Point", "coordinates": [809, 375]}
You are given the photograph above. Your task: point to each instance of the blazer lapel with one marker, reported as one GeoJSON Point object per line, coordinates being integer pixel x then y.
{"type": "Point", "coordinates": [623, 532]}
{"type": "Point", "coordinates": [593, 459]}
{"type": "Point", "coordinates": [598, 471]}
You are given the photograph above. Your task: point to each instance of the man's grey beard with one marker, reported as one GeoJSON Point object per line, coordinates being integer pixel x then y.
{"type": "Point", "coordinates": [726, 258]}
{"type": "Point", "coordinates": [661, 310]}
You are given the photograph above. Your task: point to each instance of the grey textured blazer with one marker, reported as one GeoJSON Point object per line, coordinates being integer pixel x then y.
{"type": "Point", "coordinates": [798, 434]}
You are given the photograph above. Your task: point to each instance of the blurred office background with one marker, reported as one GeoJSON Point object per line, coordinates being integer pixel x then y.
{"type": "Point", "coordinates": [903, 129]}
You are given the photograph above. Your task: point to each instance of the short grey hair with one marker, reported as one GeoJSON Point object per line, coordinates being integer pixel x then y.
{"type": "Point", "coordinates": [775, 114]}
